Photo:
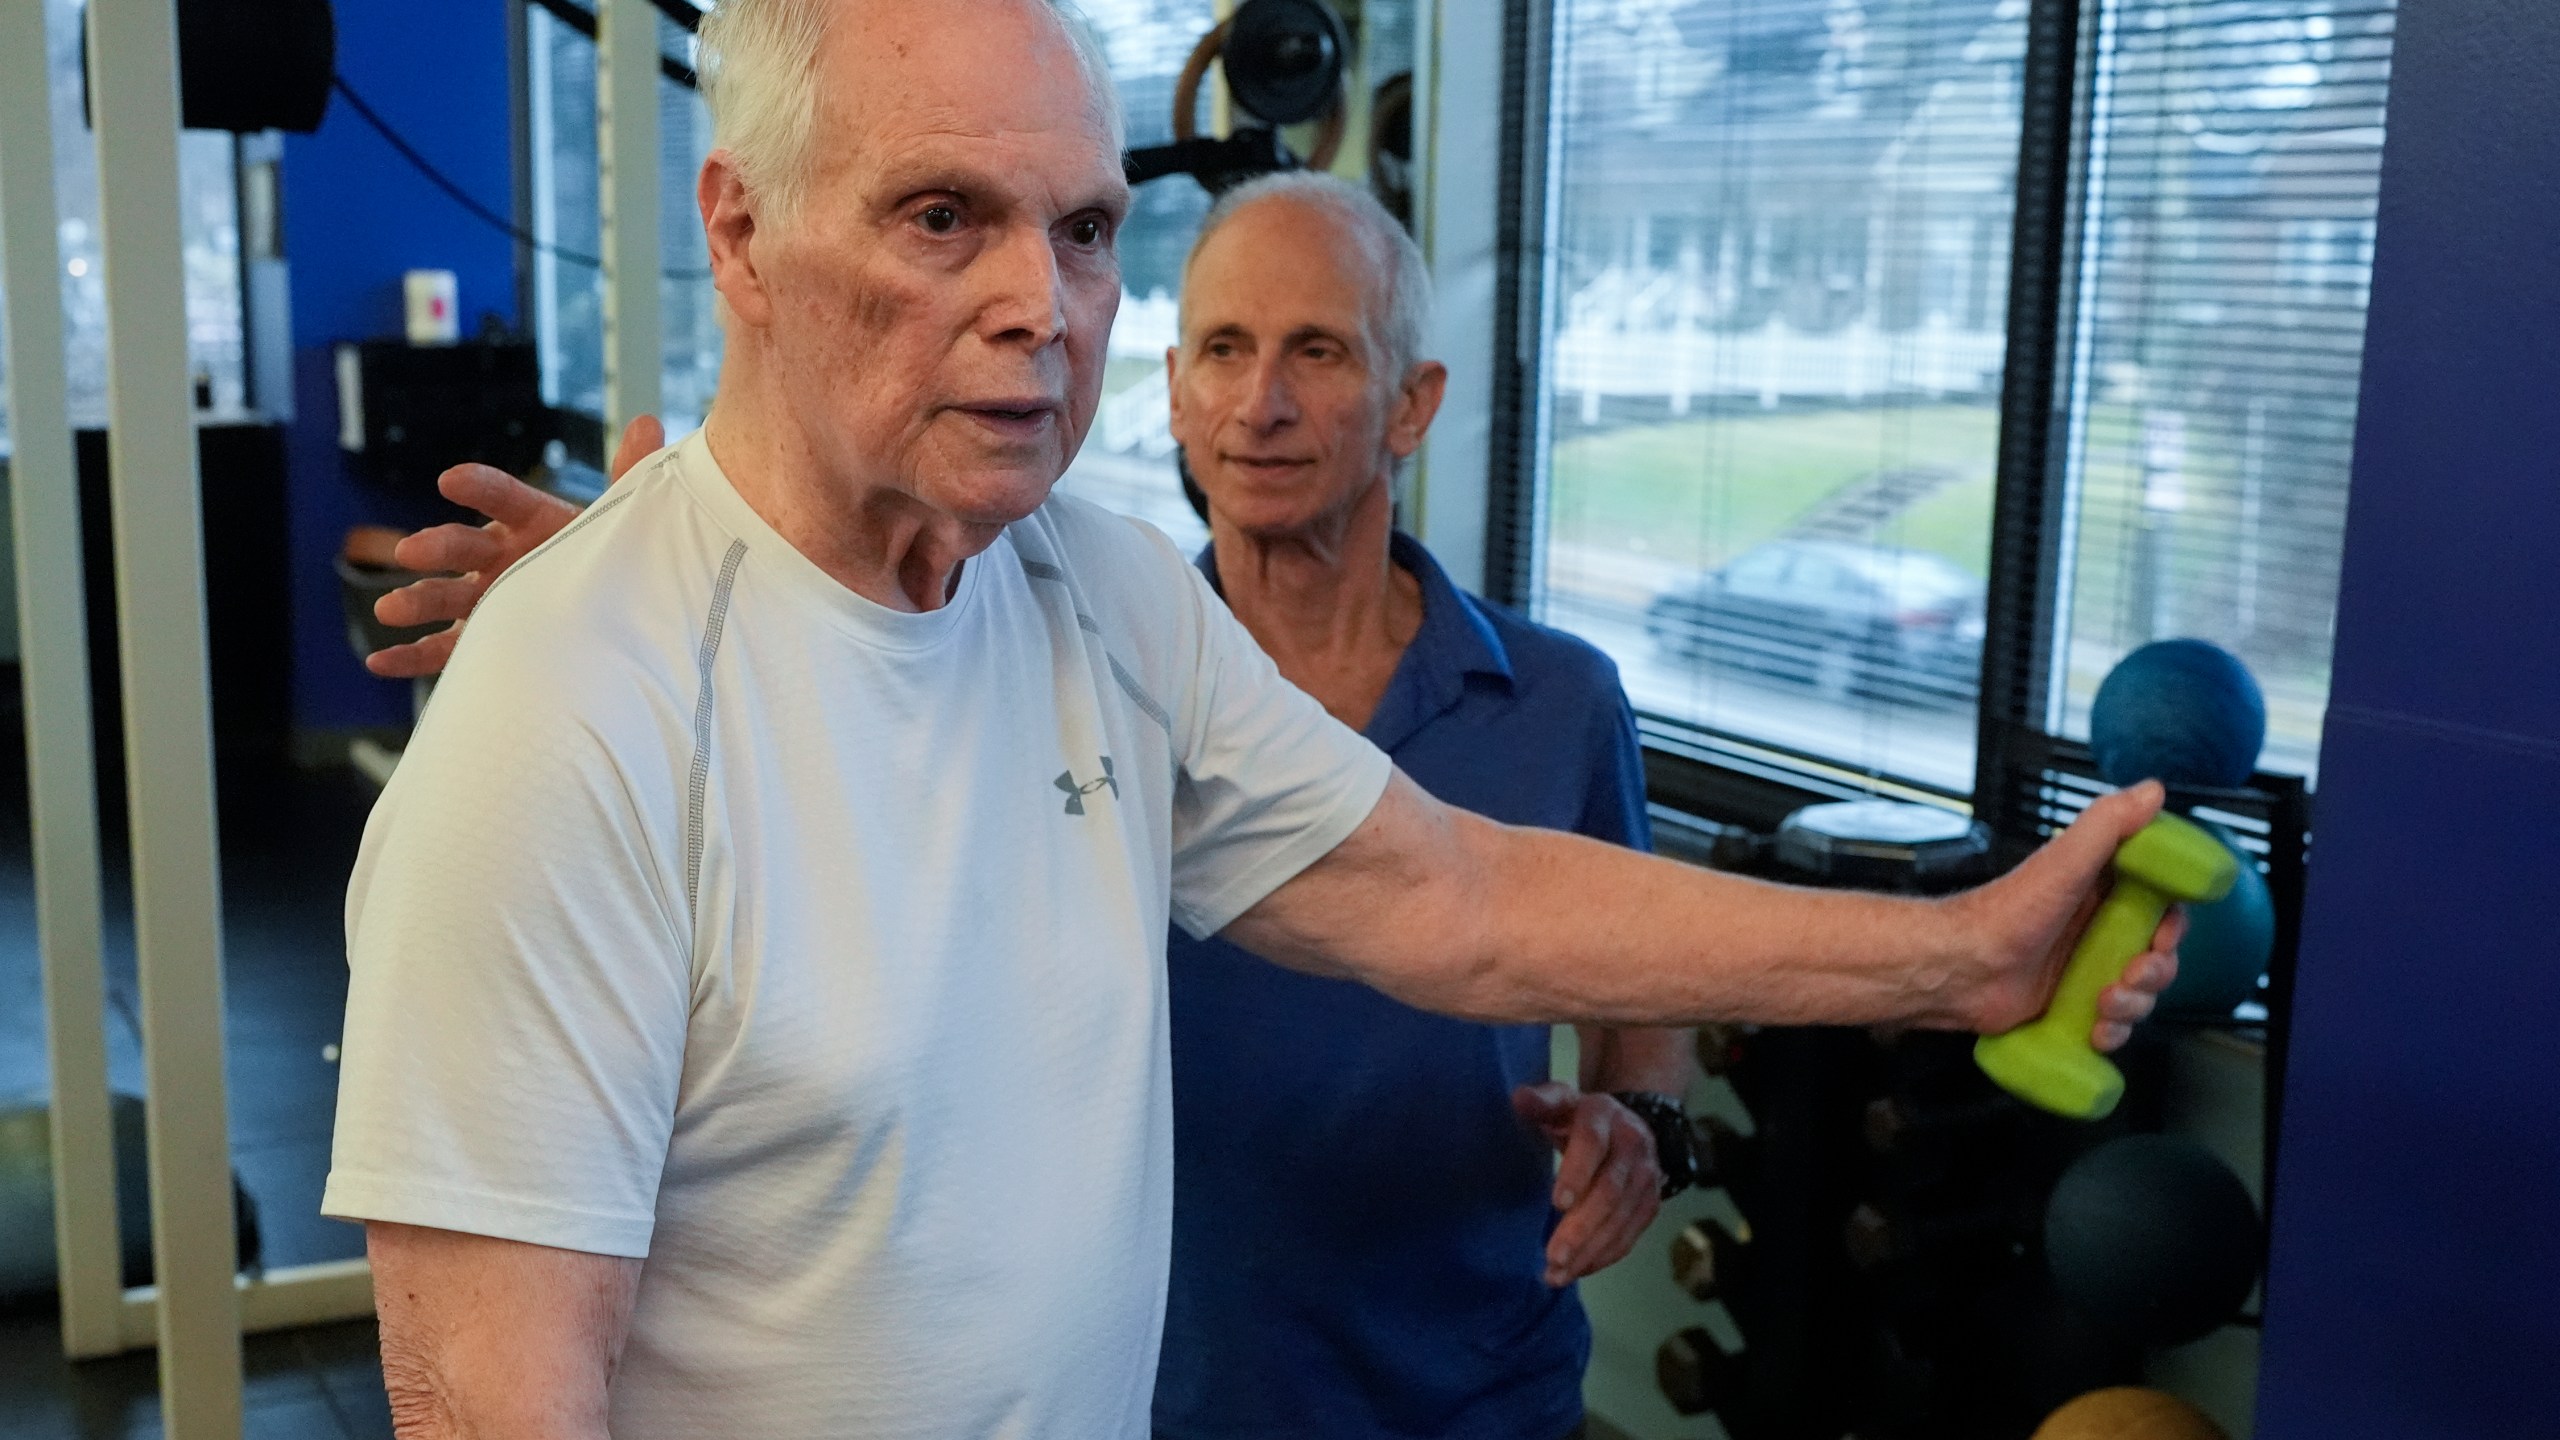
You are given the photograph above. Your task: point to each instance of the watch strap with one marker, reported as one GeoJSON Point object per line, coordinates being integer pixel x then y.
{"type": "Point", "coordinates": [1674, 1148]}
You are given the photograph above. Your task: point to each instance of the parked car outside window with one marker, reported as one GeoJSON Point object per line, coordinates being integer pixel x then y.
{"type": "Point", "coordinates": [1842, 616]}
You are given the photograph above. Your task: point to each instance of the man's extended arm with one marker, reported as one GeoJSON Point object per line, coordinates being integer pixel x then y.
{"type": "Point", "coordinates": [486, 1339]}
{"type": "Point", "coordinates": [1452, 912]}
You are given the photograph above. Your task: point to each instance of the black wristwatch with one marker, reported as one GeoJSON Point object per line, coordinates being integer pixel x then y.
{"type": "Point", "coordinates": [1675, 1148]}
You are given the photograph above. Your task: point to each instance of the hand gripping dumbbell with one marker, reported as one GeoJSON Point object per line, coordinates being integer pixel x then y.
{"type": "Point", "coordinates": [2048, 1061]}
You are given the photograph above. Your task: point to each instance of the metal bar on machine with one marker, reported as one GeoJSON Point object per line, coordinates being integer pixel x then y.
{"type": "Point", "coordinates": [168, 727]}
{"type": "Point", "coordinates": [54, 645]}
{"type": "Point", "coordinates": [627, 186]}
{"type": "Point", "coordinates": [286, 1298]}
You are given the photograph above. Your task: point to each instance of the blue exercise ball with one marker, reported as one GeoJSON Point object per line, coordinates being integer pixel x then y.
{"type": "Point", "coordinates": [2184, 712]}
{"type": "Point", "coordinates": [2227, 943]}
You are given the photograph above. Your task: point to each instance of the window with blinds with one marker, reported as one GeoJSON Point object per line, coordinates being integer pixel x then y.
{"type": "Point", "coordinates": [2229, 178]}
{"type": "Point", "coordinates": [209, 234]}
{"type": "Point", "coordinates": [1768, 394]}
{"type": "Point", "coordinates": [1127, 462]}
{"type": "Point", "coordinates": [568, 285]}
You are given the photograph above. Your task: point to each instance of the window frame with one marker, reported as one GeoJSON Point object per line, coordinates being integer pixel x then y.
{"type": "Point", "coordinates": [2030, 495]}
{"type": "Point", "coordinates": [2031, 520]}
{"type": "Point", "coordinates": [580, 431]}
{"type": "Point", "coordinates": [1711, 774]}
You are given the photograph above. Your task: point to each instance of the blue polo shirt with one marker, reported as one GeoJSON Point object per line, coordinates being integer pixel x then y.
{"type": "Point", "coordinates": [1359, 1220]}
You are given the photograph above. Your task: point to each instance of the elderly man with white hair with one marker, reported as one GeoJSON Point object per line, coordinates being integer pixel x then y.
{"type": "Point", "coordinates": [758, 1017]}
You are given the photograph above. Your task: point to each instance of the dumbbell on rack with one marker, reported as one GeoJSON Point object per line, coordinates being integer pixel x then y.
{"type": "Point", "coordinates": [1696, 1373]}
{"type": "Point", "coordinates": [1894, 1124]}
{"type": "Point", "coordinates": [1720, 1150]}
{"type": "Point", "coordinates": [1719, 1047]}
{"type": "Point", "coordinates": [1706, 1254]}
{"type": "Point", "coordinates": [1881, 1233]}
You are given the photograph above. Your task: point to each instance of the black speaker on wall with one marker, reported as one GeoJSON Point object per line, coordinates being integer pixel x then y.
{"type": "Point", "coordinates": [249, 65]}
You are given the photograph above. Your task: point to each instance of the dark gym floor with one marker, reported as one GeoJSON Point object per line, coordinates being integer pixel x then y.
{"type": "Point", "coordinates": [285, 860]}
{"type": "Point", "coordinates": [317, 1384]}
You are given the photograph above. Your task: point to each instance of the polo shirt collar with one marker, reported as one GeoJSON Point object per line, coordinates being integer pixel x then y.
{"type": "Point", "coordinates": [1456, 640]}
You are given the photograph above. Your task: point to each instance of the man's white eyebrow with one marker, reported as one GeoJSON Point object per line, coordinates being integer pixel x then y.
{"type": "Point", "coordinates": [913, 181]}
{"type": "Point", "coordinates": [909, 182]}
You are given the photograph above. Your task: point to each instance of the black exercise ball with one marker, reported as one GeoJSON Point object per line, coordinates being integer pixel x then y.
{"type": "Point", "coordinates": [2153, 1239]}
{"type": "Point", "coordinates": [27, 1268]}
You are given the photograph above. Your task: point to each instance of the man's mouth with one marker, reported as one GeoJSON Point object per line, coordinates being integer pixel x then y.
{"type": "Point", "coordinates": [1012, 415]}
{"type": "Point", "coordinates": [1266, 464]}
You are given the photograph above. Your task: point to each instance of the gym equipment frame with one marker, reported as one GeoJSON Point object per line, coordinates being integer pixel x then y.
{"type": "Point", "coordinates": [627, 184]}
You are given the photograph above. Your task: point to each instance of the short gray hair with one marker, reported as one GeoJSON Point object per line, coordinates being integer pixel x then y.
{"type": "Point", "coordinates": [759, 65]}
{"type": "Point", "coordinates": [1404, 278]}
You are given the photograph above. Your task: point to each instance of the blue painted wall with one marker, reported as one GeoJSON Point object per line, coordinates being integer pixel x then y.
{"type": "Point", "coordinates": [356, 216]}
{"type": "Point", "coordinates": [2415, 1281]}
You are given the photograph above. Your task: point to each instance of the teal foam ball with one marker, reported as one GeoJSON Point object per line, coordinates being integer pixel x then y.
{"type": "Point", "coordinates": [2184, 712]}
{"type": "Point", "coordinates": [2227, 943]}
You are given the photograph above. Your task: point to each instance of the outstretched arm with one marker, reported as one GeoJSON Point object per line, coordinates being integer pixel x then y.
{"type": "Point", "coordinates": [460, 561]}
{"type": "Point", "coordinates": [1452, 912]}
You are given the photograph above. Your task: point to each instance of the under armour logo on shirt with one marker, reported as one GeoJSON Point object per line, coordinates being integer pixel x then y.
{"type": "Point", "coordinates": [1075, 793]}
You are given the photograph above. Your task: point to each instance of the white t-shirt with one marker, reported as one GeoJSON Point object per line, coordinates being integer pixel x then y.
{"type": "Point", "coordinates": [815, 952]}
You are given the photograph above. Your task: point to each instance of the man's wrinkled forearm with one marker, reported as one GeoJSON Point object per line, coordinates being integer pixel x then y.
{"type": "Point", "coordinates": [1454, 913]}
{"type": "Point", "coordinates": [1572, 927]}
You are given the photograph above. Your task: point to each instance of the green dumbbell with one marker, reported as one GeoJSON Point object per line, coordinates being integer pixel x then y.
{"type": "Point", "coordinates": [2047, 1062]}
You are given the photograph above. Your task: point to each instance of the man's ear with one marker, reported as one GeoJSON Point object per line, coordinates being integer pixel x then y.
{"type": "Point", "coordinates": [730, 229]}
{"type": "Point", "coordinates": [1417, 401]}
{"type": "Point", "coordinates": [1173, 387]}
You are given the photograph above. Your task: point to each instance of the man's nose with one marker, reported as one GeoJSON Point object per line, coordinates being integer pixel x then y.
{"type": "Point", "coordinates": [1026, 300]}
{"type": "Point", "coordinates": [1269, 400]}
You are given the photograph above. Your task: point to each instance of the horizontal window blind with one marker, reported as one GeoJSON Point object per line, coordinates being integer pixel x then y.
{"type": "Point", "coordinates": [2227, 244]}
{"type": "Point", "coordinates": [1774, 333]}
{"type": "Point", "coordinates": [1127, 461]}
{"type": "Point", "coordinates": [568, 293]}
{"type": "Point", "coordinates": [209, 234]}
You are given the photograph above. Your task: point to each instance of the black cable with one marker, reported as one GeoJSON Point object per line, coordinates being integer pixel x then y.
{"type": "Point", "coordinates": [463, 198]}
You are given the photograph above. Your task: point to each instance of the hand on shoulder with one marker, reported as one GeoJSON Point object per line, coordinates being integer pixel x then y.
{"type": "Point", "coordinates": [459, 562]}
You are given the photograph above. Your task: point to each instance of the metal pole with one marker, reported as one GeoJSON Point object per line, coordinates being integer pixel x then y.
{"type": "Point", "coordinates": [627, 186]}
{"type": "Point", "coordinates": [159, 556]}
{"type": "Point", "coordinates": [54, 641]}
